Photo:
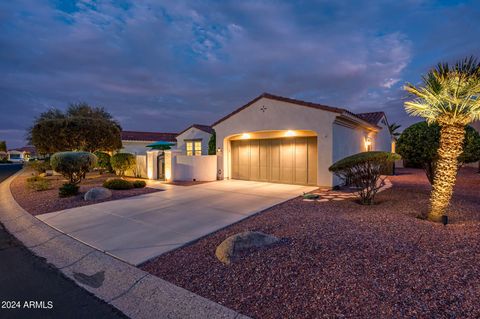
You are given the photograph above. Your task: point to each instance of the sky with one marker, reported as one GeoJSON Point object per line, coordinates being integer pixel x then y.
{"type": "Point", "coordinates": [164, 65]}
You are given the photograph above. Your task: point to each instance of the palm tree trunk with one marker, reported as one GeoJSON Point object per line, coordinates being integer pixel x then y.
{"type": "Point", "coordinates": [451, 146]}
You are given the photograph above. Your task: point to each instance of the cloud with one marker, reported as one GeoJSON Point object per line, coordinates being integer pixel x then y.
{"type": "Point", "coordinates": [161, 66]}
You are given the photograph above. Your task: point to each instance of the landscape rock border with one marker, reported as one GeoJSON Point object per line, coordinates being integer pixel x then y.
{"type": "Point", "coordinates": [131, 290]}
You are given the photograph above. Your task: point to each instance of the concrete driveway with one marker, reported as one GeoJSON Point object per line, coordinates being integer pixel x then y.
{"type": "Point", "coordinates": [139, 228]}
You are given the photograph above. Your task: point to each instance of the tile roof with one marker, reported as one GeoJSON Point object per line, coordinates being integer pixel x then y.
{"type": "Point", "coordinates": [148, 136]}
{"type": "Point", "coordinates": [29, 149]}
{"type": "Point", "coordinates": [205, 128]}
{"type": "Point", "coordinates": [289, 100]}
{"type": "Point", "coordinates": [371, 117]}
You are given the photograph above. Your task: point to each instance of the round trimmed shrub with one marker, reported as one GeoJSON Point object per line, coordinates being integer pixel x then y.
{"type": "Point", "coordinates": [73, 165]}
{"type": "Point", "coordinates": [364, 170]}
{"type": "Point", "coordinates": [103, 161]}
{"type": "Point", "coordinates": [139, 184]}
{"type": "Point", "coordinates": [122, 162]}
{"type": "Point", "coordinates": [117, 183]}
{"type": "Point", "coordinates": [39, 166]}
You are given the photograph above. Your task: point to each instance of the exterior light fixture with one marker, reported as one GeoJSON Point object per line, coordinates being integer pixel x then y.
{"type": "Point", "coordinates": [245, 136]}
{"type": "Point", "coordinates": [444, 220]}
{"type": "Point", "coordinates": [368, 144]}
{"type": "Point", "coordinates": [289, 133]}
{"type": "Point", "coordinates": [219, 150]}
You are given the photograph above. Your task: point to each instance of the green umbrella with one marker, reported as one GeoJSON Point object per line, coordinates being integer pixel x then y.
{"type": "Point", "coordinates": [161, 145]}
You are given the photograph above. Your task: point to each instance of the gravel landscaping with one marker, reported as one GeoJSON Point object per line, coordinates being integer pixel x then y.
{"type": "Point", "coordinates": [342, 259]}
{"type": "Point", "coordinates": [41, 202]}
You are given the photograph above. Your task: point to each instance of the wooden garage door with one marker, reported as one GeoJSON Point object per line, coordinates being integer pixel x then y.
{"type": "Point", "coordinates": [286, 160]}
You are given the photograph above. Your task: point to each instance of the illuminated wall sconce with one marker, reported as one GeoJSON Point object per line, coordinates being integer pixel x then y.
{"type": "Point", "coordinates": [368, 144]}
{"type": "Point", "coordinates": [245, 136]}
{"type": "Point", "coordinates": [219, 150]}
{"type": "Point", "coordinates": [289, 133]}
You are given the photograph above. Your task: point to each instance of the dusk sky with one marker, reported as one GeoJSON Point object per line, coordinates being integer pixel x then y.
{"type": "Point", "coordinates": [163, 65]}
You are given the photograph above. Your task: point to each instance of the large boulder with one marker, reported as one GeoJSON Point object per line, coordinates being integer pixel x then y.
{"type": "Point", "coordinates": [97, 193]}
{"type": "Point", "coordinates": [234, 245]}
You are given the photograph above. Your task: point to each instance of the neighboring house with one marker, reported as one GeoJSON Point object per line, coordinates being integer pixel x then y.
{"type": "Point", "coordinates": [22, 154]}
{"type": "Point", "coordinates": [283, 140]}
{"type": "Point", "coordinates": [136, 142]}
{"type": "Point", "coordinates": [193, 141]}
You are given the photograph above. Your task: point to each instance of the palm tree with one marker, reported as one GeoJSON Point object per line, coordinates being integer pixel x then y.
{"type": "Point", "coordinates": [449, 96]}
{"type": "Point", "coordinates": [392, 128]}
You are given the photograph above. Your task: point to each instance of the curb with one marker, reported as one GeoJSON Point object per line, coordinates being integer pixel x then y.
{"type": "Point", "coordinates": [134, 292]}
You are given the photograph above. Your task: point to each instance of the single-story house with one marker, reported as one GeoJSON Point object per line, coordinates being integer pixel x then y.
{"type": "Point", "coordinates": [272, 139]}
{"type": "Point", "coordinates": [284, 140]}
{"type": "Point", "coordinates": [21, 154]}
{"type": "Point", "coordinates": [136, 142]}
{"type": "Point", "coordinates": [193, 141]}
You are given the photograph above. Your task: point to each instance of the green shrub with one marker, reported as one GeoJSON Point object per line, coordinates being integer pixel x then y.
{"type": "Point", "coordinates": [38, 183]}
{"type": "Point", "coordinates": [364, 170]}
{"type": "Point", "coordinates": [68, 189]}
{"type": "Point", "coordinates": [139, 184]}
{"type": "Point", "coordinates": [418, 146]}
{"type": "Point", "coordinates": [39, 166]}
{"type": "Point", "coordinates": [122, 162]}
{"type": "Point", "coordinates": [117, 183]}
{"type": "Point", "coordinates": [103, 162]}
{"type": "Point", "coordinates": [73, 165]}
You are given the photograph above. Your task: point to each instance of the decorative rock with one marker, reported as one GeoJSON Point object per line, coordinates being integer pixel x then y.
{"type": "Point", "coordinates": [97, 193]}
{"type": "Point", "coordinates": [231, 247]}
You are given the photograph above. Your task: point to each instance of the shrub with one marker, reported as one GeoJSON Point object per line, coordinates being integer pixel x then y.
{"type": "Point", "coordinates": [38, 183]}
{"type": "Point", "coordinates": [39, 166]}
{"type": "Point", "coordinates": [418, 146]}
{"type": "Point", "coordinates": [73, 165]}
{"type": "Point", "coordinates": [103, 162]}
{"type": "Point", "coordinates": [139, 184]}
{"type": "Point", "coordinates": [122, 162]}
{"type": "Point", "coordinates": [364, 171]}
{"type": "Point", "coordinates": [68, 189]}
{"type": "Point", "coordinates": [117, 183]}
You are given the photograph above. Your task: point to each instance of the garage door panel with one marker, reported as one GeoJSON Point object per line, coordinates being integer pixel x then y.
{"type": "Point", "coordinates": [264, 160]}
{"type": "Point", "coordinates": [301, 161]}
{"type": "Point", "coordinates": [254, 160]}
{"type": "Point", "coordinates": [312, 158]}
{"type": "Point", "coordinates": [288, 160]}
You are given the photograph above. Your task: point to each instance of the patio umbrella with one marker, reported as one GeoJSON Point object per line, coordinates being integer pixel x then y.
{"type": "Point", "coordinates": [161, 145]}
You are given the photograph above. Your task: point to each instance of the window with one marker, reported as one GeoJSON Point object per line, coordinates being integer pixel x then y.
{"type": "Point", "coordinates": [194, 147]}
{"type": "Point", "coordinates": [198, 148]}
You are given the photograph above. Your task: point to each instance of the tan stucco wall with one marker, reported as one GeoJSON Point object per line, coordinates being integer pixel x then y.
{"type": "Point", "coordinates": [193, 134]}
{"type": "Point", "coordinates": [279, 116]}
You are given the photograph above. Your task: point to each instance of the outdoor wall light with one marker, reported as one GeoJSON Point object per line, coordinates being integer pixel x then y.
{"type": "Point", "coordinates": [219, 150]}
{"type": "Point", "coordinates": [368, 143]}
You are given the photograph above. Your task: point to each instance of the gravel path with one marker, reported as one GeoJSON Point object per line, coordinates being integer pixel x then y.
{"type": "Point", "coordinates": [341, 259]}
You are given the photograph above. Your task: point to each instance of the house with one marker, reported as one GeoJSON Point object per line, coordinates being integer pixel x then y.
{"type": "Point", "coordinates": [22, 154]}
{"type": "Point", "coordinates": [284, 140]}
{"type": "Point", "coordinates": [136, 142]}
{"type": "Point", "coordinates": [194, 140]}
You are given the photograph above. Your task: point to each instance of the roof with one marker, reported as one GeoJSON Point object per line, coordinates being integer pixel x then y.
{"type": "Point", "coordinates": [294, 101]}
{"type": "Point", "coordinates": [148, 136]}
{"type": "Point", "coordinates": [29, 149]}
{"type": "Point", "coordinates": [201, 127]}
{"type": "Point", "coordinates": [371, 117]}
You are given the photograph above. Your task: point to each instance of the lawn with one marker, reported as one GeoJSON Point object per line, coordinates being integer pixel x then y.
{"type": "Point", "coordinates": [342, 259]}
{"type": "Point", "coordinates": [41, 202]}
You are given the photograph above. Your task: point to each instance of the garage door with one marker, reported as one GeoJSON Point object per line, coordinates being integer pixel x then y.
{"type": "Point", "coordinates": [285, 160]}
